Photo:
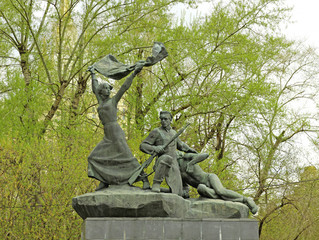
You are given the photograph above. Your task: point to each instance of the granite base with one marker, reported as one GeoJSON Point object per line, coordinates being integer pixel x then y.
{"type": "Point", "coordinates": [169, 229]}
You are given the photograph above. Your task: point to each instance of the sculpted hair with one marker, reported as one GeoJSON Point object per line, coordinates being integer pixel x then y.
{"type": "Point", "coordinates": [166, 112]}
{"type": "Point", "coordinates": [103, 85]}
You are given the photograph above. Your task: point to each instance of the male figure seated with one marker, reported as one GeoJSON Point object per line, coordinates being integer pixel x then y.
{"type": "Point", "coordinates": [208, 184]}
{"type": "Point", "coordinates": [166, 165]}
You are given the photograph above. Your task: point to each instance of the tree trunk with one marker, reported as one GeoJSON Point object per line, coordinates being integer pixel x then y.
{"type": "Point", "coordinates": [29, 119]}
{"type": "Point", "coordinates": [48, 118]}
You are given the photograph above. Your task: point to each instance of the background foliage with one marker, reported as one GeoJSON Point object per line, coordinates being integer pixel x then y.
{"type": "Point", "coordinates": [245, 89]}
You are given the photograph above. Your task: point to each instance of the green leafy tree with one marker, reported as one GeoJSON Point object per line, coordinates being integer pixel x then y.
{"type": "Point", "coordinates": [230, 74]}
{"type": "Point", "coordinates": [295, 216]}
{"type": "Point", "coordinates": [46, 119]}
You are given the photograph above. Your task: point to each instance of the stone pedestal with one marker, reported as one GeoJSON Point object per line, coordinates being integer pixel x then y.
{"type": "Point", "coordinates": [125, 201]}
{"type": "Point", "coordinates": [169, 229]}
{"type": "Point", "coordinates": [127, 213]}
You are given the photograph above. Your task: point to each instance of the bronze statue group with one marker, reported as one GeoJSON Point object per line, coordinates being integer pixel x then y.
{"type": "Point", "coordinates": [112, 162]}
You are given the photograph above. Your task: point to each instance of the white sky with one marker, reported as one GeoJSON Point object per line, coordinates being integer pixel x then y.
{"type": "Point", "coordinates": [306, 18]}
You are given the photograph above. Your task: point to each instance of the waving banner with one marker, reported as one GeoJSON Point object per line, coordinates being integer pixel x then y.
{"type": "Point", "coordinates": [110, 67]}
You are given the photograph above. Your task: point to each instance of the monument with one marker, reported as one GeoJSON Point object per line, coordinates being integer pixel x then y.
{"type": "Point", "coordinates": [119, 210]}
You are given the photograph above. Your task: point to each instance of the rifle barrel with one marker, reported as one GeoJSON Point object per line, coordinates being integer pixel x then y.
{"type": "Point", "coordinates": [145, 164]}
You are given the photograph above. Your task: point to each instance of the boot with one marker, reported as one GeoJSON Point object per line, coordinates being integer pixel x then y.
{"type": "Point", "coordinates": [156, 187]}
{"type": "Point", "coordinates": [146, 185]}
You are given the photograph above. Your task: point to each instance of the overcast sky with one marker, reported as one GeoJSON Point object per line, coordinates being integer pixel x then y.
{"type": "Point", "coordinates": [306, 17]}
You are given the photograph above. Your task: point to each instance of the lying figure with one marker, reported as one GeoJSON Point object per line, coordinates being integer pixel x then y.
{"type": "Point", "coordinates": [208, 184]}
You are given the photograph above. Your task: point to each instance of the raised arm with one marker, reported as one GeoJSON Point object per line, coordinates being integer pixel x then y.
{"type": "Point", "coordinates": [95, 83]}
{"type": "Point", "coordinates": [194, 158]}
{"type": "Point", "coordinates": [128, 82]}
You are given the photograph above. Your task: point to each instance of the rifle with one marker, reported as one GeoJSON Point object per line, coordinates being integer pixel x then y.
{"type": "Point", "coordinates": [145, 164]}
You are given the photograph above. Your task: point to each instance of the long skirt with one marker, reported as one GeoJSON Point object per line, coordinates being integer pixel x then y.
{"type": "Point", "coordinates": [112, 161]}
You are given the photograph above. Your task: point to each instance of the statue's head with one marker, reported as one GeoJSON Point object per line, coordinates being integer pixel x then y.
{"type": "Point", "coordinates": [104, 90]}
{"type": "Point", "coordinates": [166, 118]}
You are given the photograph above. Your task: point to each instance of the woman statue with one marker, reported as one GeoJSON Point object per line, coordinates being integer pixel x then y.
{"type": "Point", "coordinates": [111, 161]}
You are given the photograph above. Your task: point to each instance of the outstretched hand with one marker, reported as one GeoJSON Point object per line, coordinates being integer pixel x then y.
{"type": "Point", "coordinates": [91, 69]}
{"type": "Point", "coordinates": [139, 66]}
